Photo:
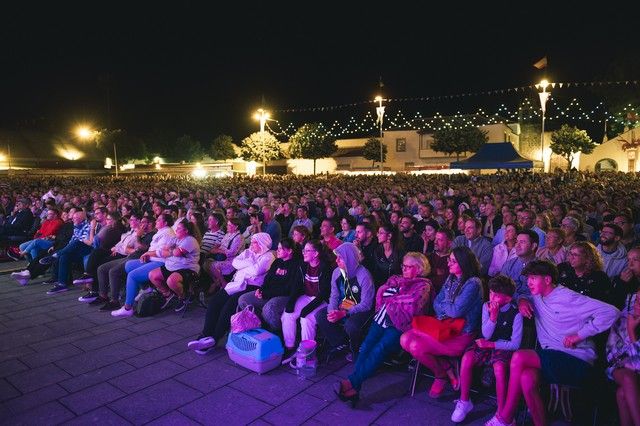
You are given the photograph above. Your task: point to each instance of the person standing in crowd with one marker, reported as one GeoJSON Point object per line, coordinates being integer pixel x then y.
{"type": "Point", "coordinates": [460, 297]}
{"type": "Point", "coordinates": [565, 322]}
{"type": "Point", "coordinates": [554, 251]}
{"type": "Point", "coordinates": [479, 245]}
{"type": "Point", "coordinates": [350, 302]}
{"type": "Point", "coordinates": [612, 251]}
{"type": "Point", "coordinates": [397, 301]}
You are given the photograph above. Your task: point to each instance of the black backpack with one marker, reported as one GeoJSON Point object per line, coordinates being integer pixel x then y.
{"type": "Point", "coordinates": [149, 304]}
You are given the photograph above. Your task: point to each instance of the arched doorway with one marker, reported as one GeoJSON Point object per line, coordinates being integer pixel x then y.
{"type": "Point", "coordinates": [606, 165]}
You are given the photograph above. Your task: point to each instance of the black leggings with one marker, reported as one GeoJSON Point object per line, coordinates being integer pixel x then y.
{"type": "Point", "coordinates": [221, 307]}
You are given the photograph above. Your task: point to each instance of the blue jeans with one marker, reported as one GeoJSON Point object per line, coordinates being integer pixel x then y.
{"type": "Point", "coordinates": [377, 346]}
{"type": "Point", "coordinates": [137, 274]}
{"type": "Point", "coordinates": [74, 252]}
{"type": "Point", "coordinates": [34, 247]}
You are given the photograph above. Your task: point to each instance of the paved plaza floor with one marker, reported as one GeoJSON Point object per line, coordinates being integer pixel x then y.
{"type": "Point", "coordinates": [64, 362]}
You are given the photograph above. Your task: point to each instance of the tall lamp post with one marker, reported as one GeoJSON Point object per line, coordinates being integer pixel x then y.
{"type": "Point", "coordinates": [262, 115]}
{"type": "Point", "coordinates": [85, 133]}
{"type": "Point", "coordinates": [380, 114]}
{"type": "Point", "coordinates": [544, 97]}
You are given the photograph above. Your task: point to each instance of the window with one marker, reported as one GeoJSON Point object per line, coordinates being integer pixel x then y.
{"type": "Point", "coordinates": [409, 165]}
{"type": "Point", "coordinates": [401, 145]}
{"type": "Point", "coordinates": [425, 143]}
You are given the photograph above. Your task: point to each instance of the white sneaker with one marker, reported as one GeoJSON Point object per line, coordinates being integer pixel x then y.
{"type": "Point", "coordinates": [122, 312]}
{"type": "Point", "coordinates": [142, 292]}
{"type": "Point", "coordinates": [495, 421]}
{"type": "Point", "coordinates": [201, 344]}
{"type": "Point", "coordinates": [462, 409]}
{"type": "Point", "coordinates": [23, 281]}
{"type": "Point", "coordinates": [22, 274]}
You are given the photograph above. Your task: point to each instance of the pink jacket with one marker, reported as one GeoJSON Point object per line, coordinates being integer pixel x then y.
{"type": "Point", "coordinates": [414, 297]}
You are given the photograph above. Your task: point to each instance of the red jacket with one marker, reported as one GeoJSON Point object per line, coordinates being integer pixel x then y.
{"type": "Point", "coordinates": [48, 228]}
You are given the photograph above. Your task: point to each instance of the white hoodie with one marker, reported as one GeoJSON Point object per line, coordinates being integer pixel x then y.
{"type": "Point", "coordinates": [165, 237]}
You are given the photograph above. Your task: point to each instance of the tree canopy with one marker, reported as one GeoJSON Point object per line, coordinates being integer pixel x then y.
{"type": "Point", "coordinates": [458, 141]}
{"type": "Point", "coordinates": [569, 140]}
{"type": "Point", "coordinates": [371, 150]}
{"type": "Point", "coordinates": [260, 146]}
{"type": "Point", "coordinates": [312, 141]}
{"type": "Point", "coordinates": [222, 148]}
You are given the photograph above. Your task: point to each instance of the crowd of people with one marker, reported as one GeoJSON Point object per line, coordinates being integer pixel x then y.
{"type": "Point", "coordinates": [532, 278]}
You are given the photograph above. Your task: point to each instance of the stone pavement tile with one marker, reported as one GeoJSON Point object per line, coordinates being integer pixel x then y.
{"type": "Point", "coordinates": [70, 324]}
{"type": "Point", "coordinates": [154, 355]}
{"type": "Point", "coordinates": [42, 345]}
{"type": "Point", "coordinates": [170, 317]}
{"type": "Point", "coordinates": [155, 401]}
{"type": "Point", "coordinates": [105, 339]}
{"type": "Point", "coordinates": [174, 418]}
{"type": "Point", "coordinates": [47, 414]}
{"type": "Point", "coordinates": [91, 398]}
{"type": "Point", "coordinates": [95, 315]}
{"type": "Point", "coordinates": [70, 311]}
{"type": "Point", "coordinates": [102, 416]}
{"type": "Point", "coordinates": [35, 399]}
{"type": "Point", "coordinates": [115, 324]}
{"type": "Point", "coordinates": [274, 387]}
{"type": "Point", "coordinates": [146, 376]}
{"type": "Point", "coordinates": [96, 376]}
{"type": "Point", "coordinates": [324, 388]}
{"type": "Point", "coordinates": [27, 336]}
{"type": "Point", "coordinates": [190, 359]}
{"type": "Point", "coordinates": [98, 358]}
{"type": "Point", "coordinates": [50, 355]}
{"type": "Point", "coordinates": [146, 327]}
{"type": "Point", "coordinates": [260, 422]}
{"type": "Point", "coordinates": [29, 310]}
{"type": "Point", "coordinates": [27, 321]}
{"type": "Point", "coordinates": [12, 366]}
{"type": "Point", "coordinates": [211, 376]}
{"type": "Point", "coordinates": [226, 406]}
{"type": "Point", "coordinates": [36, 378]}
{"type": "Point", "coordinates": [7, 391]}
{"type": "Point", "coordinates": [295, 410]}
{"type": "Point", "coordinates": [152, 340]}
{"type": "Point", "coordinates": [412, 411]}
{"type": "Point", "coordinates": [190, 327]}
{"type": "Point", "coordinates": [14, 352]}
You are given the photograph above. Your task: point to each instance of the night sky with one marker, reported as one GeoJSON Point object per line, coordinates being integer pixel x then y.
{"type": "Point", "coordinates": [200, 70]}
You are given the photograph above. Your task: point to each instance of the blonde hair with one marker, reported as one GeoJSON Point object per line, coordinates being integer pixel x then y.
{"type": "Point", "coordinates": [420, 261]}
{"type": "Point", "coordinates": [594, 260]}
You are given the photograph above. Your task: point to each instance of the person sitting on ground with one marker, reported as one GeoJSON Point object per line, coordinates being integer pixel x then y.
{"type": "Point", "coordinates": [251, 267]}
{"type": "Point", "coordinates": [351, 301]}
{"type": "Point", "coordinates": [180, 266]}
{"type": "Point", "coordinates": [506, 250]}
{"type": "Point", "coordinates": [310, 292]}
{"type": "Point", "coordinates": [583, 272]}
{"type": "Point", "coordinates": [554, 251]}
{"type": "Point", "coordinates": [501, 336]}
{"type": "Point", "coordinates": [565, 322]}
{"type": "Point", "coordinates": [138, 269]}
{"type": "Point", "coordinates": [270, 300]}
{"type": "Point", "coordinates": [397, 302]}
{"type": "Point", "coordinates": [460, 297]}
{"type": "Point", "coordinates": [44, 237]}
{"type": "Point", "coordinates": [623, 361]}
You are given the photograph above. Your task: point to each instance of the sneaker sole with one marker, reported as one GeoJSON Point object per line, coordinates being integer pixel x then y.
{"type": "Point", "coordinates": [197, 345]}
{"type": "Point", "coordinates": [88, 300]}
{"type": "Point", "coordinates": [51, 293]}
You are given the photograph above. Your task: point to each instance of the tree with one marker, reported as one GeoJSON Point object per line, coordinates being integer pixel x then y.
{"type": "Point", "coordinates": [569, 140]}
{"type": "Point", "coordinates": [222, 148]}
{"type": "Point", "coordinates": [128, 147]}
{"type": "Point", "coordinates": [312, 141]}
{"type": "Point", "coordinates": [185, 148]}
{"type": "Point", "coordinates": [260, 146]}
{"type": "Point", "coordinates": [371, 150]}
{"type": "Point", "coordinates": [457, 141]}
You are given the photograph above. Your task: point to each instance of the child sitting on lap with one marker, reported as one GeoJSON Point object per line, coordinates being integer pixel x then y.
{"type": "Point", "coordinates": [502, 333]}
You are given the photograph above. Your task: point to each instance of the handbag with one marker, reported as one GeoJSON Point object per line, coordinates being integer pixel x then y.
{"type": "Point", "coordinates": [439, 329]}
{"type": "Point", "coordinates": [244, 320]}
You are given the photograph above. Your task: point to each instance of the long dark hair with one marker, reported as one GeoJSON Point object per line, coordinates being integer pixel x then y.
{"type": "Point", "coordinates": [320, 248]}
{"type": "Point", "coordinates": [468, 262]}
{"type": "Point", "coordinates": [396, 242]}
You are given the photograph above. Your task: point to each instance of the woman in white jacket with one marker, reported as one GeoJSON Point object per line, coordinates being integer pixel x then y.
{"type": "Point", "coordinates": [252, 265]}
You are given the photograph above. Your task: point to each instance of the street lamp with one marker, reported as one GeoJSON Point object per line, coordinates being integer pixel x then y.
{"type": "Point", "coordinates": [544, 97]}
{"type": "Point", "coordinates": [380, 114]}
{"type": "Point", "coordinates": [262, 116]}
{"type": "Point", "coordinates": [85, 133]}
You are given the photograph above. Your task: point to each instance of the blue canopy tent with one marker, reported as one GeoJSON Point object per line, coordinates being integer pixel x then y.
{"type": "Point", "coordinates": [500, 155]}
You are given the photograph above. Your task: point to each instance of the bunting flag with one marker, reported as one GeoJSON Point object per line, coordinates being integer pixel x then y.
{"type": "Point", "coordinates": [541, 64]}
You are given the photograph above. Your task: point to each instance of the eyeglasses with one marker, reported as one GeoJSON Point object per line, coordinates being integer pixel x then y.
{"type": "Point", "coordinates": [407, 266]}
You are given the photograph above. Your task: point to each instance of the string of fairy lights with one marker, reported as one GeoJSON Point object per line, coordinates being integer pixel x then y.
{"type": "Point", "coordinates": [397, 119]}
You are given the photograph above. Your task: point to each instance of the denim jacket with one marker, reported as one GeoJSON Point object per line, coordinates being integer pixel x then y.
{"type": "Point", "coordinates": [465, 303]}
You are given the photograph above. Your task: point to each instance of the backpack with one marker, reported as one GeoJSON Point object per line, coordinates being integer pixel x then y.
{"type": "Point", "coordinates": [149, 304]}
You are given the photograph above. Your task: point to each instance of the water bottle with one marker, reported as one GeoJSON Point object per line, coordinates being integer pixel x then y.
{"type": "Point", "coordinates": [306, 361]}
